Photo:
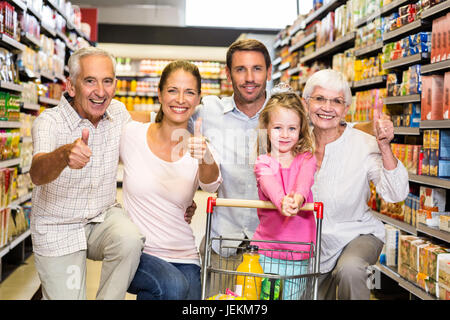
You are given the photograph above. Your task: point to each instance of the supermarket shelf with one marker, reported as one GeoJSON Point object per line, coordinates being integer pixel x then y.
{"type": "Point", "coordinates": [372, 82]}
{"type": "Point", "coordinates": [404, 30]}
{"type": "Point", "coordinates": [9, 124]}
{"type": "Point", "coordinates": [323, 11]}
{"type": "Point", "coordinates": [22, 199]}
{"type": "Point", "coordinates": [405, 284]}
{"type": "Point", "coordinates": [276, 75]}
{"type": "Point", "coordinates": [408, 131]}
{"type": "Point", "coordinates": [9, 163]}
{"type": "Point", "coordinates": [330, 48]}
{"type": "Point", "coordinates": [402, 99]}
{"type": "Point", "coordinates": [293, 71]}
{"type": "Point", "coordinates": [284, 66]}
{"type": "Point", "coordinates": [387, 9]}
{"type": "Point", "coordinates": [302, 42]}
{"type": "Point", "coordinates": [435, 124]}
{"type": "Point", "coordinates": [49, 101]}
{"type": "Point", "coordinates": [436, 67]}
{"type": "Point", "coordinates": [396, 223]}
{"type": "Point", "coordinates": [35, 13]}
{"type": "Point", "coordinates": [274, 62]}
{"type": "Point", "coordinates": [418, 58]}
{"type": "Point", "coordinates": [14, 243]}
{"type": "Point", "coordinates": [377, 46]}
{"type": "Point", "coordinates": [11, 86]}
{"type": "Point", "coordinates": [48, 30]}
{"type": "Point", "coordinates": [10, 43]}
{"type": "Point", "coordinates": [434, 232]}
{"type": "Point", "coordinates": [435, 11]}
{"type": "Point", "coordinates": [19, 4]}
{"type": "Point", "coordinates": [368, 18]}
{"type": "Point", "coordinates": [31, 40]}
{"type": "Point", "coordinates": [31, 106]}
{"type": "Point", "coordinates": [431, 181]}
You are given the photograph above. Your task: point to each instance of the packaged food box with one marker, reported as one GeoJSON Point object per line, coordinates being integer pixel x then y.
{"type": "Point", "coordinates": [434, 257]}
{"type": "Point", "coordinates": [444, 269]}
{"type": "Point", "coordinates": [444, 292]}
{"type": "Point", "coordinates": [433, 199]}
{"type": "Point", "coordinates": [444, 223]}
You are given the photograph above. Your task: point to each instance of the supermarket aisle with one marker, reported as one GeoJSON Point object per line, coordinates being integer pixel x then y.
{"type": "Point", "coordinates": [24, 281]}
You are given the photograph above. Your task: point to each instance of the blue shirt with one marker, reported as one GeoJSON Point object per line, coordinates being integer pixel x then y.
{"type": "Point", "coordinates": [234, 137]}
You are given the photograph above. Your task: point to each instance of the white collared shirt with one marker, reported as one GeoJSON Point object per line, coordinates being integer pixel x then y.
{"type": "Point", "coordinates": [342, 184]}
{"type": "Point", "coordinates": [62, 207]}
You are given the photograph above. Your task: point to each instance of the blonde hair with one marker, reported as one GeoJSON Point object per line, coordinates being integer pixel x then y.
{"type": "Point", "coordinates": [290, 101]}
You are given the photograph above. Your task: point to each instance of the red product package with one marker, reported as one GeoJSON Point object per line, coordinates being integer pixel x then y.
{"type": "Point", "coordinates": [448, 36]}
{"type": "Point", "coordinates": [432, 102]}
{"type": "Point", "coordinates": [434, 34]}
{"type": "Point", "coordinates": [446, 98]}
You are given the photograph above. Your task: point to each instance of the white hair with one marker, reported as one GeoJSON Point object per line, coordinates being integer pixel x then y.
{"type": "Point", "coordinates": [74, 60]}
{"type": "Point", "coordinates": [328, 79]}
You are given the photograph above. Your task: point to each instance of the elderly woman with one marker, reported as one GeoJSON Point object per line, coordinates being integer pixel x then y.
{"type": "Point", "coordinates": [347, 159]}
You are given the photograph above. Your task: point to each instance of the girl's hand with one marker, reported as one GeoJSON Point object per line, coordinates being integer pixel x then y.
{"type": "Point", "coordinates": [289, 207]}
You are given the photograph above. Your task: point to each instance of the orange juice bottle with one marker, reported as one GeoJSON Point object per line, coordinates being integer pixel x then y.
{"type": "Point", "coordinates": [247, 286]}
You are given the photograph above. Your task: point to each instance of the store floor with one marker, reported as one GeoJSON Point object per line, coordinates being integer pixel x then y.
{"type": "Point", "coordinates": [23, 283]}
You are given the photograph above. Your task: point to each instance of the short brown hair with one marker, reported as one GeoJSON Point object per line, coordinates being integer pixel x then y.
{"type": "Point", "coordinates": [172, 67]}
{"type": "Point", "coordinates": [248, 45]}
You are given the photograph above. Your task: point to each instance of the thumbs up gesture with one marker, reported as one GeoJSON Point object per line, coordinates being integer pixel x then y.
{"type": "Point", "coordinates": [197, 144]}
{"type": "Point", "coordinates": [383, 129]}
{"type": "Point", "coordinates": [79, 153]}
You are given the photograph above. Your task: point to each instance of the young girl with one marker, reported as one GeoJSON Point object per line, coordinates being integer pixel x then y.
{"type": "Point", "coordinates": [285, 176]}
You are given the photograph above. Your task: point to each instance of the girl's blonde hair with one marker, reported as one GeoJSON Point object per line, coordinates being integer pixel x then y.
{"type": "Point", "coordinates": [290, 101]}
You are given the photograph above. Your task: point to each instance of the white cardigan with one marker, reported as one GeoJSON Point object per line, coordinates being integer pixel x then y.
{"type": "Point", "coordinates": [342, 184]}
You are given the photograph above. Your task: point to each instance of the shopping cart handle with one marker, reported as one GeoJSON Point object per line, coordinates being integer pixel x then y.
{"type": "Point", "coordinates": [244, 203]}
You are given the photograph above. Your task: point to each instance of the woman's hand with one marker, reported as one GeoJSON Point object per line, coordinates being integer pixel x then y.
{"type": "Point", "coordinates": [197, 145]}
{"type": "Point", "coordinates": [383, 129]}
{"type": "Point", "coordinates": [384, 133]}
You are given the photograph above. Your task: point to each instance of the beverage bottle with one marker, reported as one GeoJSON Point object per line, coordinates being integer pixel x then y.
{"type": "Point", "coordinates": [247, 286]}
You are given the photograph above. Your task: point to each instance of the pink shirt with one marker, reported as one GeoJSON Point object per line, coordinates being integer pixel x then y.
{"type": "Point", "coordinates": [274, 182]}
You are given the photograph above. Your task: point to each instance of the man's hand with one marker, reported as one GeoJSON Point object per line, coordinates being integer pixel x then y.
{"type": "Point", "coordinates": [190, 211]}
{"type": "Point", "coordinates": [79, 154]}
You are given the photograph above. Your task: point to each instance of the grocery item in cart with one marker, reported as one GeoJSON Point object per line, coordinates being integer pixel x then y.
{"type": "Point", "coordinates": [247, 286]}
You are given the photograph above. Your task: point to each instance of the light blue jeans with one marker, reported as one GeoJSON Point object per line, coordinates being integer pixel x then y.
{"type": "Point", "coordinates": [293, 288]}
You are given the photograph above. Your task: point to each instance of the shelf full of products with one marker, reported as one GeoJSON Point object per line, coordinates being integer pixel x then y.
{"type": "Point", "coordinates": [36, 39]}
{"type": "Point", "coordinates": [137, 85]}
{"type": "Point", "coordinates": [392, 55]}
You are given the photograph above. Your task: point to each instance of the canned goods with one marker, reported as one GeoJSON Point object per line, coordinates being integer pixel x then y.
{"type": "Point", "coordinates": [271, 289]}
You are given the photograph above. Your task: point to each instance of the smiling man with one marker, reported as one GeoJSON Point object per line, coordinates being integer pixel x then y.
{"type": "Point", "coordinates": [75, 215]}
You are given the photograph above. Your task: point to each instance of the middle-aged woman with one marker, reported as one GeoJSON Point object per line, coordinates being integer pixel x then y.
{"type": "Point", "coordinates": [347, 160]}
{"type": "Point", "coordinates": [163, 167]}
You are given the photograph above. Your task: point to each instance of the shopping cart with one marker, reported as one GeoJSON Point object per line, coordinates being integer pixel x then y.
{"type": "Point", "coordinates": [297, 282]}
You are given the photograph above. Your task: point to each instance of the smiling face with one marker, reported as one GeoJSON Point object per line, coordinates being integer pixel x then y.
{"type": "Point", "coordinates": [94, 87]}
{"type": "Point", "coordinates": [249, 74]}
{"type": "Point", "coordinates": [179, 96]}
{"type": "Point", "coordinates": [326, 108]}
{"type": "Point", "coordinates": [283, 130]}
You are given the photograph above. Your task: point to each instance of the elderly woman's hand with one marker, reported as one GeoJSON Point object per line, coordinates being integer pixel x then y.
{"type": "Point", "coordinates": [383, 129]}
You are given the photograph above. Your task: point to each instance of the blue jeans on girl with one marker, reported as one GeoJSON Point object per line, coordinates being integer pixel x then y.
{"type": "Point", "coordinates": [157, 279]}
